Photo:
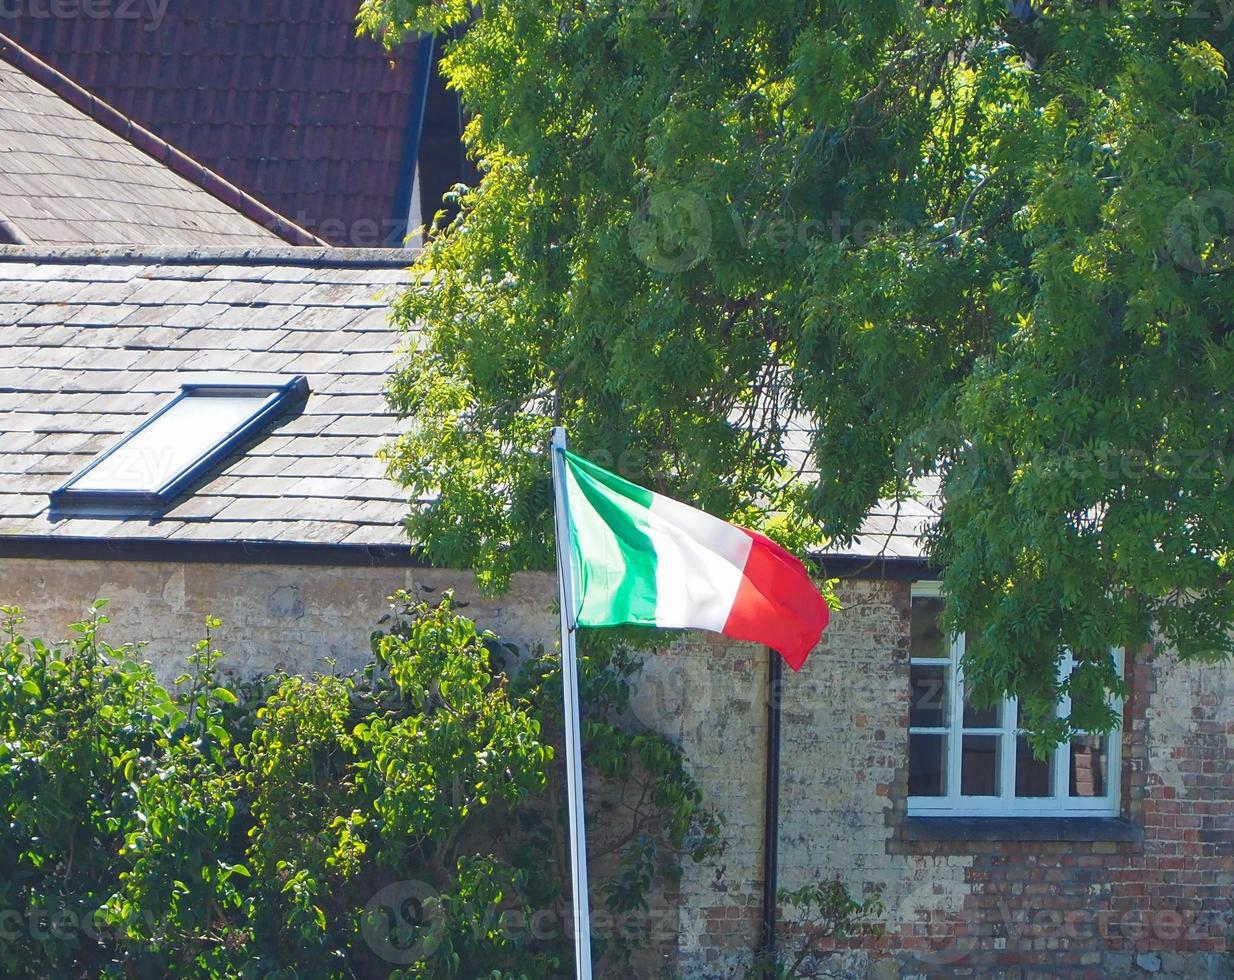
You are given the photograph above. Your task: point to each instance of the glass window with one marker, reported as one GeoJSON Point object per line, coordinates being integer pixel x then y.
{"type": "Point", "coordinates": [1089, 766]}
{"type": "Point", "coordinates": [925, 635]}
{"type": "Point", "coordinates": [986, 717]}
{"type": "Point", "coordinates": [967, 759]}
{"type": "Point", "coordinates": [928, 708]}
{"type": "Point", "coordinates": [979, 766]}
{"type": "Point", "coordinates": [1034, 778]}
{"type": "Point", "coordinates": [927, 771]}
{"type": "Point", "coordinates": [178, 443]}
{"type": "Point", "coordinates": [155, 453]}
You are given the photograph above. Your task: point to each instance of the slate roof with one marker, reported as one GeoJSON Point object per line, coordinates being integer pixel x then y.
{"type": "Point", "coordinates": [891, 531]}
{"type": "Point", "coordinates": [894, 530]}
{"type": "Point", "coordinates": [92, 340]}
{"type": "Point", "coordinates": [280, 98]}
{"type": "Point", "coordinates": [65, 178]}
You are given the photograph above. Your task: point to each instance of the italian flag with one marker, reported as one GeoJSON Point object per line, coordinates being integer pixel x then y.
{"type": "Point", "coordinates": [643, 559]}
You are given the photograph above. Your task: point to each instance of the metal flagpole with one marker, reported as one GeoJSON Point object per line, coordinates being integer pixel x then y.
{"type": "Point", "coordinates": [573, 730]}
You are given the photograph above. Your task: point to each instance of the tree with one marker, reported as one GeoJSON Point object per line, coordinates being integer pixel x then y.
{"type": "Point", "coordinates": [947, 240]}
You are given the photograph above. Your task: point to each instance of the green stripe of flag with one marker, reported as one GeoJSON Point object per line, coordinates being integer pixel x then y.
{"type": "Point", "coordinates": [612, 548]}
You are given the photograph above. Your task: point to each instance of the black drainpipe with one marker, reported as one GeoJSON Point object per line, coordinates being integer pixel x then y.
{"type": "Point", "coordinates": [771, 814]}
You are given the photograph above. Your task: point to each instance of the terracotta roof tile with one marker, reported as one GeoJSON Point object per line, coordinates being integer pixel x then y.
{"type": "Point", "coordinates": [282, 100]}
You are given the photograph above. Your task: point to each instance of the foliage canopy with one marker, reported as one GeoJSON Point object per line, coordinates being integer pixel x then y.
{"type": "Point", "coordinates": [952, 240]}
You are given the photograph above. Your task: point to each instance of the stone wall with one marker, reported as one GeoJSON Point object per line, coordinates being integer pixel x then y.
{"type": "Point", "coordinates": [1159, 906]}
{"type": "Point", "coordinates": [1005, 908]}
{"type": "Point", "coordinates": [290, 617]}
{"type": "Point", "coordinates": [1162, 905]}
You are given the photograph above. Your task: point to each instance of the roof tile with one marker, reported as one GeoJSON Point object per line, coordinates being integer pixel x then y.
{"type": "Point", "coordinates": [75, 385]}
{"type": "Point", "coordinates": [220, 80]}
{"type": "Point", "coordinates": [66, 179]}
{"type": "Point", "coordinates": [68, 388]}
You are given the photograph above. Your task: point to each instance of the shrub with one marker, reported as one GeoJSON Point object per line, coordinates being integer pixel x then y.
{"type": "Point", "coordinates": [402, 821]}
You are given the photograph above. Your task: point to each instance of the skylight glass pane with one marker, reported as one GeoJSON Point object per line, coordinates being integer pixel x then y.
{"type": "Point", "coordinates": [171, 443]}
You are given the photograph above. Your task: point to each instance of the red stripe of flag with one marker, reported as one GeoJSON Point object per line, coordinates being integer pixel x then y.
{"type": "Point", "coordinates": [777, 604]}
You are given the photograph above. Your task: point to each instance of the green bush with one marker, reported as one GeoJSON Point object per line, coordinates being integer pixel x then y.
{"type": "Point", "coordinates": [404, 821]}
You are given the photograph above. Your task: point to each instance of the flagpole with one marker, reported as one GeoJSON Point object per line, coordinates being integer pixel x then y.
{"type": "Point", "coordinates": [573, 729]}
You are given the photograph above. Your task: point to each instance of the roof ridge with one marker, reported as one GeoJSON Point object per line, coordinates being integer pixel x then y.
{"type": "Point", "coordinates": [156, 147]}
{"type": "Point", "coordinates": [326, 256]}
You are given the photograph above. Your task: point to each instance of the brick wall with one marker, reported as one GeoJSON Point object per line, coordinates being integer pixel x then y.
{"type": "Point", "coordinates": [1160, 906]}
{"type": "Point", "coordinates": [710, 696]}
{"type": "Point", "coordinates": [1012, 908]}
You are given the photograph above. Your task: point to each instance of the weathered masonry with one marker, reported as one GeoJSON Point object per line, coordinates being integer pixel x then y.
{"type": "Point", "coordinates": [1115, 857]}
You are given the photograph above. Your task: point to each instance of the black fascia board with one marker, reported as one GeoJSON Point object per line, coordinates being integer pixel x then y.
{"type": "Point", "coordinates": [240, 551]}
{"type": "Point", "coordinates": [53, 547]}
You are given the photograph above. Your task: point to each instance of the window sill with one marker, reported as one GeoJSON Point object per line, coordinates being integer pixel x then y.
{"type": "Point", "coordinates": [1021, 829]}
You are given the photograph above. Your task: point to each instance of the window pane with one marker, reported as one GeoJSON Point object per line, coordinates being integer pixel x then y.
{"type": "Point", "coordinates": [928, 707]}
{"type": "Point", "coordinates": [926, 639]}
{"type": "Point", "coordinates": [1089, 766]}
{"type": "Point", "coordinates": [927, 765]}
{"type": "Point", "coordinates": [982, 717]}
{"type": "Point", "coordinates": [190, 429]}
{"type": "Point", "coordinates": [1033, 777]}
{"type": "Point", "coordinates": [979, 765]}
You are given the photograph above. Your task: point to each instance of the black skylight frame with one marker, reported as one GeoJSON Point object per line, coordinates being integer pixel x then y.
{"type": "Point", "coordinates": [288, 396]}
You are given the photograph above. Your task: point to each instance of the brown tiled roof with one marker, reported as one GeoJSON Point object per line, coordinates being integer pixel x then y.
{"type": "Point", "coordinates": [280, 98]}
{"type": "Point", "coordinates": [93, 340]}
{"type": "Point", "coordinates": [66, 178]}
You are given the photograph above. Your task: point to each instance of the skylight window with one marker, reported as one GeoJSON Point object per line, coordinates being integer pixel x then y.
{"type": "Point", "coordinates": [180, 443]}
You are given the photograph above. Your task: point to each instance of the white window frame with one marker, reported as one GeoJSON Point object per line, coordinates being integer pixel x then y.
{"type": "Point", "coordinates": [1007, 804]}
